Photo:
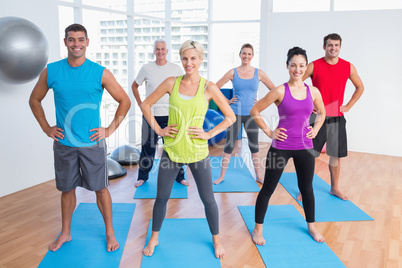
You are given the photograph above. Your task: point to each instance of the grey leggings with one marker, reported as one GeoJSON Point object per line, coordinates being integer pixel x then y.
{"type": "Point", "coordinates": [167, 173]}
{"type": "Point", "coordinates": [252, 134]}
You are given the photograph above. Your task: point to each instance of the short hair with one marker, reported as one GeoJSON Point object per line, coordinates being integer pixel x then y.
{"type": "Point", "coordinates": [190, 44]}
{"type": "Point", "coordinates": [247, 45]}
{"type": "Point", "coordinates": [296, 51]}
{"type": "Point", "coordinates": [332, 36]}
{"type": "Point", "coordinates": [75, 28]}
{"type": "Point", "coordinates": [159, 41]}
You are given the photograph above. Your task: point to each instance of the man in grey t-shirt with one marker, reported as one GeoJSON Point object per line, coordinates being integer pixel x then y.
{"type": "Point", "coordinates": [153, 74]}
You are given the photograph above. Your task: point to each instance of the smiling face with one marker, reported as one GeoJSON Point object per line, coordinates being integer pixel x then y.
{"type": "Point", "coordinates": [160, 51]}
{"type": "Point", "coordinates": [76, 44]}
{"type": "Point", "coordinates": [297, 67]}
{"type": "Point", "coordinates": [332, 48]}
{"type": "Point", "coordinates": [191, 61]}
{"type": "Point", "coordinates": [246, 55]}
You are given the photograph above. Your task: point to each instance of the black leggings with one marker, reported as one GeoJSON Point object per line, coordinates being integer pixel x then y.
{"type": "Point", "coordinates": [251, 130]}
{"type": "Point", "coordinates": [167, 173]}
{"type": "Point", "coordinates": [276, 161]}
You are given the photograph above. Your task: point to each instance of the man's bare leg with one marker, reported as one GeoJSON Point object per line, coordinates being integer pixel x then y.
{"type": "Point", "coordinates": [334, 170]}
{"type": "Point", "coordinates": [184, 182]}
{"type": "Point", "coordinates": [258, 168]}
{"type": "Point", "coordinates": [224, 167]}
{"type": "Point", "coordinates": [152, 243]}
{"type": "Point", "coordinates": [139, 183]}
{"type": "Point", "coordinates": [68, 203]}
{"type": "Point", "coordinates": [104, 201]}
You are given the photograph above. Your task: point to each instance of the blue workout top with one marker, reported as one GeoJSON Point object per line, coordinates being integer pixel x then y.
{"type": "Point", "coordinates": [246, 92]}
{"type": "Point", "coordinates": [77, 97]}
{"type": "Point", "coordinates": [294, 116]}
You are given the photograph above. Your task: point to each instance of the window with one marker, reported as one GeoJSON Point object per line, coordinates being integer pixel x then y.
{"type": "Point", "coordinates": [301, 5]}
{"type": "Point", "coordinates": [109, 45]}
{"type": "Point", "coordinates": [113, 5]}
{"type": "Point", "coordinates": [66, 17]}
{"type": "Point", "coordinates": [239, 10]}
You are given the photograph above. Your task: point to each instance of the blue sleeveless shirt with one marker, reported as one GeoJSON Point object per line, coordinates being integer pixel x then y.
{"type": "Point", "coordinates": [77, 97]}
{"type": "Point", "coordinates": [246, 91]}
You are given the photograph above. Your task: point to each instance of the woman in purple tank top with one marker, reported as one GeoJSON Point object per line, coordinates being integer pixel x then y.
{"type": "Point", "coordinates": [291, 139]}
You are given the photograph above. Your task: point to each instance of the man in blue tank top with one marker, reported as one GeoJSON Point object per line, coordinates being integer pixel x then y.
{"type": "Point", "coordinates": [79, 139]}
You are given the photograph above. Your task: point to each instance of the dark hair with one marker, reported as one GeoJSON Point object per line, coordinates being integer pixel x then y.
{"type": "Point", "coordinates": [75, 28]}
{"type": "Point", "coordinates": [296, 51]}
{"type": "Point", "coordinates": [332, 36]}
{"type": "Point", "coordinates": [247, 45]}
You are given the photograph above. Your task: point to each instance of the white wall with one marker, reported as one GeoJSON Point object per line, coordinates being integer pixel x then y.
{"type": "Point", "coordinates": [372, 42]}
{"type": "Point", "coordinates": [26, 152]}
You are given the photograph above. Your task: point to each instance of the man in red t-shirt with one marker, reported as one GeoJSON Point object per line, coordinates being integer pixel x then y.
{"type": "Point", "coordinates": [330, 74]}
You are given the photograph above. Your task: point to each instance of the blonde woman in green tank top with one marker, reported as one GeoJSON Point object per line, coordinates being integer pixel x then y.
{"type": "Point", "coordinates": [185, 139]}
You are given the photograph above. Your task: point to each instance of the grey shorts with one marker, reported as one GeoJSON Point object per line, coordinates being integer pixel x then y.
{"type": "Point", "coordinates": [333, 133]}
{"type": "Point", "coordinates": [80, 166]}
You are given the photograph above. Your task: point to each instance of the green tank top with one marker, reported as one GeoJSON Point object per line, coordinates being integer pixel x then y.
{"type": "Point", "coordinates": [186, 113]}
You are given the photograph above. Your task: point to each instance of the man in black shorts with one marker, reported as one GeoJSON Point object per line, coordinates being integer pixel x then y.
{"type": "Point", "coordinates": [79, 146]}
{"type": "Point", "coordinates": [330, 74]}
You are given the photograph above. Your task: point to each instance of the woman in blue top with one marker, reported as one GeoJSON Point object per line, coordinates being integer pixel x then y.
{"type": "Point", "coordinates": [245, 80]}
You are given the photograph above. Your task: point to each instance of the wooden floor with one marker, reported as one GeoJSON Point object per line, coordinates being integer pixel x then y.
{"type": "Point", "coordinates": [30, 219]}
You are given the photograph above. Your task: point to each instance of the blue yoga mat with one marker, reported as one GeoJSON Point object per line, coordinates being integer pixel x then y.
{"type": "Point", "coordinates": [182, 243]}
{"type": "Point", "coordinates": [327, 207]}
{"type": "Point", "coordinates": [237, 178]}
{"type": "Point", "coordinates": [148, 189]}
{"type": "Point", "coordinates": [88, 246]}
{"type": "Point", "coordinates": [288, 243]}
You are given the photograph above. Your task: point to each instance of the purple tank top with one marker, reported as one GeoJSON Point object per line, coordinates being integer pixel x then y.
{"type": "Point", "coordinates": [294, 116]}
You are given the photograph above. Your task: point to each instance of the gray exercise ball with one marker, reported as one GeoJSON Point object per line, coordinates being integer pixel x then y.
{"type": "Point", "coordinates": [24, 50]}
{"type": "Point", "coordinates": [115, 170]}
{"type": "Point", "coordinates": [126, 155]}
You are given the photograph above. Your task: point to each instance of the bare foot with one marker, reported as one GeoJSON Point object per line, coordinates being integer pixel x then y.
{"type": "Point", "coordinates": [314, 233]}
{"type": "Point", "coordinates": [139, 183]}
{"type": "Point", "coordinates": [112, 243]}
{"type": "Point", "coordinates": [218, 180]}
{"type": "Point", "coordinates": [56, 244]}
{"type": "Point", "coordinates": [150, 248]}
{"type": "Point", "coordinates": [258, 239]}
{"type": "Point", "coordinates": [184, 182]}
{"type": "Point", "coordinates": [219, 250]}
{"type": "Point", "coordinates": [299, 197]}
{"type": "Point", "coordinates": [338, 194]}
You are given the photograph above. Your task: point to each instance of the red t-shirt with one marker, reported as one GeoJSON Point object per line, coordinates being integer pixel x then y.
{"type": "Point", "coordinates": [331, 81]}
